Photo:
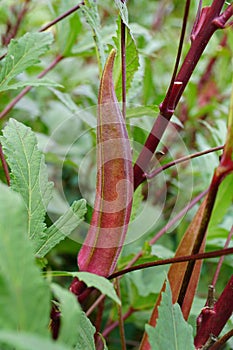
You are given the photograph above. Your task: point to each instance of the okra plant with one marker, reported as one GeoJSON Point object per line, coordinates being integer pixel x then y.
{"type": "Point", "coordinates": [116, 179]}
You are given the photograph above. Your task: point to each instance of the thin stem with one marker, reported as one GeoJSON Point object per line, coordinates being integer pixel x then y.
{"type": "Point", "coordinates": [170, 224]}
{"type": "Point", "coordinates": [28, 88]}
{"type": "Point", "coordinates": [123, 68]}
{"type": "Point", "coordinates": [56, 20]}
{"type": "Point", "coordinates": [210, 200]}
{"type": "Point", "coordinates": [5, 166]}
{"type": "Point", "coordinates": [194, 257]}
{"type": "Point", "coordinates": [120, 316]}
{"type": "Point", "coordinates": [12, 30]}
{"type": "Point", "coordinates": [181, 42]}
{"type": "Point", "coordinates": [181, 160]}
{"type": "Point", "coordinates": [215, 278]}
{"type": "Point", "coordinates": [200, 40]}
{"type": "Point", "coordinates": [220, 342]}
{"type": "Point", "coordinates": [95, 304]}
{"type": "Point", "coordinates": [61, 17]}
{"type": "Point", "coordinates": [154, 239]}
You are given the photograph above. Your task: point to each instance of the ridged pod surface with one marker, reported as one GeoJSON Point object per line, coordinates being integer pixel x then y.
{"type": "Point", "coordinates": [114, 187]}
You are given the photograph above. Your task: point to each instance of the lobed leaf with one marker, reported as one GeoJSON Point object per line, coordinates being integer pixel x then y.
{"type": "Point", "coordinates": [172, 331]}
{"type": "Point", "coordinates": [23, 53]}
{"type": "Point", "coordinates": [24, 294]}
{"type": "Point", "coordinates": [28, 175]}
{"type": "Point", "coordinates": [61, 228]}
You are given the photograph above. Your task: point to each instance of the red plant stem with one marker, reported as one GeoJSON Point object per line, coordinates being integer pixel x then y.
{"type": "Point", "coordinates": [179, 259]}
{"type": "Point", "coordinates": [155, 238]}
{"type": "Point", "coordinates": [123, 68]}
{"type": "Point", "coordinates": [61, 17]}
{"type": "Point", "coordinates": [211, 23]}
{"type": "Point", "coordinates": [50, 67]}
{"type": "Point", "coordinates": [14, 29]}
{"type": "Point", "coordinates": [5, 166]}
{"type": "Point", "coordinates": [56, 20]}
{"type": "Point", "coordinates": [219, 343]}
{"type": "Point", "coordinates": [181, 160]}
{"type": "Point", "coordinates": [178, 56]}
{"type": "Point", "coordinates": [201, 234]}
{"type": "Point", "coordinates": [212, 320]}
{"type": "Point", "coordinates": [95, 304]}
{"type": "Point", "coordinates": [215, 278]}
{"type": "Point", "coordinates": [28, 88]}
{"type": "Point", "coordinates": [169, 225]}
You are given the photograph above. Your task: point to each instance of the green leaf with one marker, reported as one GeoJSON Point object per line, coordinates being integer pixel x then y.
{"type": "Point", "coordinates": [38, 82]}
{"type": "Point", "coordinates": [172, 331]}
{"type": "Point", "coordinates": [84, 115]}
{"type": "Point", "coordinates": [92, 280]}
{"type": "Point", "coordinates": [28, 174]}
{"type": "Point", "coordinates": [132, 60]}
{"type": "Point", "coordinates": [24, 294]}
{"type": "Point", "coordinates": [222, 204]}
{"type": "Point", "coordinates": [70, 315]}
{"type": "Point", "coordinates": [99, 282]}
{"type": "Point", "coordinates": [67, 29]}
{"type": "Point", "coordinates": [91, 14]}
{"type": "Point", "coordinates": [23, 53]}
{"type": "Point", "coordinates": [62, 227]}
{"type": "Point", "coordinates": [229, 141]}
{"type": "Point", "coordinates": [142, 111]}
{"type": "Point", "coordinates": [123, 11]}
{"type": "Point", "coordinates": [28, 341]}
{"type": "Point", "coordinates": [86, 333]}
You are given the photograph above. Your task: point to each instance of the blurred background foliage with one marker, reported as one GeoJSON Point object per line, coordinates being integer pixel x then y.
{"type": "Point", "coordinates": [64, 121]}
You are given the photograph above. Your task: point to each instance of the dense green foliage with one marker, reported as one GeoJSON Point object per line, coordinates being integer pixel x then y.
{"type": "Point", "coordinates": [49, 142]}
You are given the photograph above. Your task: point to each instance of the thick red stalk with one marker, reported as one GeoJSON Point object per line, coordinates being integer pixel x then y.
{"type": "Point", "coordinates": [212, 319]}
{"type": "Point", "coordinates": [210, 20]}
